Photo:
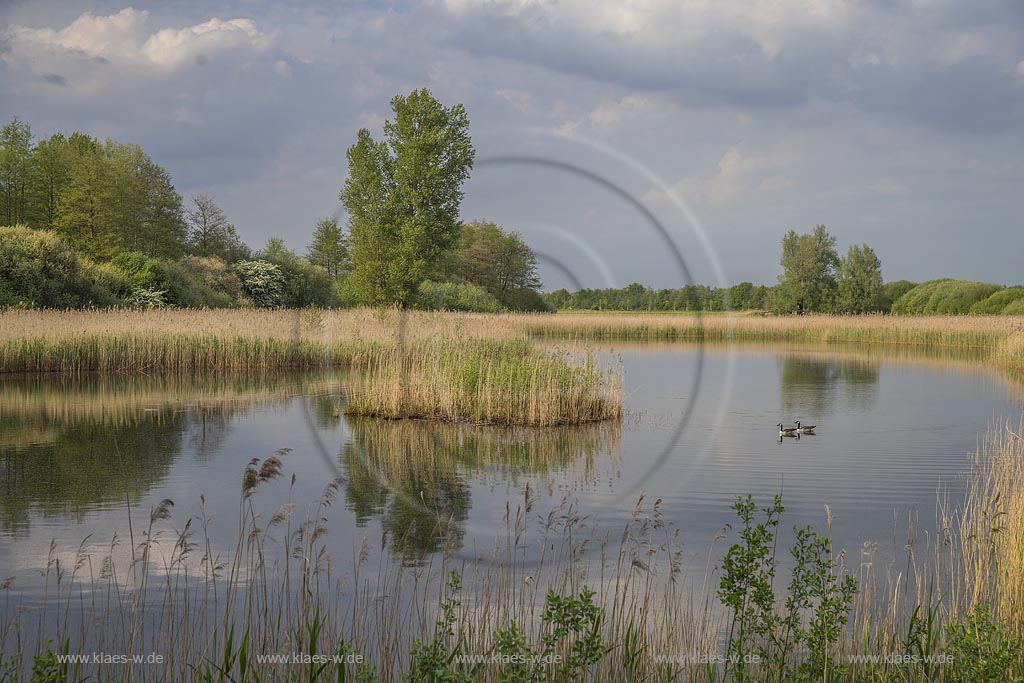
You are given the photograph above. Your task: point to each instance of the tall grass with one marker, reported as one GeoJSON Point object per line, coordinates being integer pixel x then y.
{"type": "Point", "coordinates": [957, 595]}
{"type": "Point", "coordinates": [418, 365]}
{"type": "Point", "coordinates": [496, 382]}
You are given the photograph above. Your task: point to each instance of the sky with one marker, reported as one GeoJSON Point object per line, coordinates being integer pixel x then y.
{"type": "Point", "coordinates": [653, 141]}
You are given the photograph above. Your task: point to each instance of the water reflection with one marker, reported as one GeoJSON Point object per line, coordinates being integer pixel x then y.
{"type": "Point", "coordinates": [415, 475]}
{"type": "Point", "coordinates": [812, 387]}
{"type": "Point", "coordinates": [71, 468]}
{"type": "Point", "coordinates": [71, 446]}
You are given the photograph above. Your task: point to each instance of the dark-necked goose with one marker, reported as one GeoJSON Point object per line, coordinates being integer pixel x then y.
{"type": "Point", "coordinates": [802, 429]}
{"type": "Point", "coordinates": [787, 431]}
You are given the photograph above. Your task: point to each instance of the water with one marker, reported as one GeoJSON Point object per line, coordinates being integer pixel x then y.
{"type": "Point", "coordinates": [86, 459]}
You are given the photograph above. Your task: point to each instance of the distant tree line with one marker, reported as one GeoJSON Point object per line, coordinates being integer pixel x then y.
{"type": "Point", "coordinates": [815, 279]}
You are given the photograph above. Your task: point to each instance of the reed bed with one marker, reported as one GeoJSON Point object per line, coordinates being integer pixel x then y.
{"type": "Point", "coordinates": [116, 400]}
{"type": "Point", "coordinates": [488, 382]}
{"type": "Point", "coordinates": [317, 336]}
{"type": "Point", "coordinates": [415, 365]}
{"type": "Point", "coordinates": [955, 595]}
{"type": "Point", "coordinates": [957, 332]}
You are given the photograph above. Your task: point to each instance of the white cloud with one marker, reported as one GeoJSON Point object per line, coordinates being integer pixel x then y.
{"type": "Point", "coordinates": [609, 114]}
{"type": "Point", "coordinates": [523, 101]}
{"type": "Point", "coordinates": [170, 47]}
{"type": "Point", "coordinates": [123, 38]}
{"type": "Point", "coordinates": [728, 183]}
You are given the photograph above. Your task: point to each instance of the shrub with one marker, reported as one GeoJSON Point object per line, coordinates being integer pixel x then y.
{"type": "Point", "coordinates": [892, 291]}
{"type": "Point", "coordinates": [145, 273]}
{"type": "Point", "coordinates": [38, 269]}
{"type": "Point", "coordinates": [108, 277]}
{"type": "Point", "coordinates": [813, 611]}
{"type": "Point", "coordinates": [996, 303]}
{"type": "Point", "coordinates": [981, 649]}
{"type": "Point", "coordinates": [449, 296]}
{"type": "Point", "coordinates": [262, 281]}
{"type": "Point", "coordinates": [144, 297]}
{"type": "Point", "coordinates": [207, 281]}
{"type": "Point", "coordinates": [1016, 308]}
{"type": "Point", "coordinates": [950, 297]}
{"type": "Point", "coordinates": [528, 300]}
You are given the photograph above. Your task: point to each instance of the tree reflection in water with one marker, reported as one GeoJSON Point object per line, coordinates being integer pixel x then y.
{"type": "Point", "coordinates": [415, 474]}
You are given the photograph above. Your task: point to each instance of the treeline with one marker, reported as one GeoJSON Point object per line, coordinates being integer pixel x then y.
{"type": "Point", "coordinates": [949, 297]}
{"type": "Point", "coordinates": [99, 223]}
{"type": "Point", "coordinates": [815, 279]}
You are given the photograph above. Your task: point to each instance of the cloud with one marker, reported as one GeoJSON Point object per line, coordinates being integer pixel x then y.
{"type": "Point", "coordinates": [55, 79]}
{"type": "Point", "coordinates": [123, 38]}
{"type": "Point", "coordinates": [767, 53]}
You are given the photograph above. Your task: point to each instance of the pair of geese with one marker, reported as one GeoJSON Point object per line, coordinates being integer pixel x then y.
{"type": "Point", "coordinates": [799, 429]}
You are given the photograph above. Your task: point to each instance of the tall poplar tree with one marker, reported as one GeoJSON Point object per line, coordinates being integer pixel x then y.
{"type": "Point", "coordinates": [403, 196]}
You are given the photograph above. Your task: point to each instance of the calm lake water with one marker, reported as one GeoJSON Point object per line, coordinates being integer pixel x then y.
{"type": "Point", "coordinates": [80, 459]}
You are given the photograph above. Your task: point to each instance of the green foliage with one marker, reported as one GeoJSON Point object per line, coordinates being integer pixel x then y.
{"type": "Point", "coordinates": [739, 297]}
{"type": "Point", "coordinates": [207, 281]}
{"type": "Point", "coordinates": [999, 301]}
{"type": "Point", "coordinates": [892, 291]}
{"type": "Point", "coordinates": [498, 261]}
{"type": "Point", "coordinates": [16, 170]}
{"type": "Point", "coordinates": [982, 651]}
{"type": "Point", "coordinates": [156, 283]}
{"type": "Point", "coordinates": [147, 297]}
{"type": "Point", "coordinates": [1015, 308]}
{"type": "Point", "coordinates": [329, 248]}
{"type": "Point", "coordinates": [303, 284]}
{"type": "Point", "coordinates": [944, 296]}
{"type": "Point", "coordinates": [814, 607]}
{"type": "Point", "coordinates": [528, 300]}
{"type": "Point", "coordinates": [403, 196]}
{"type": "Point", "coordinates": [808, 281]}
{"type": "Point", "coordinates": [38, 269]}
{"type": "Point", "coordinates": [449, 296]}
{"type": "Point", "coordinates": [637, 297]}
{"type": "Point", "coordinates": [434, 662]}
{"type": "Point", "coordinates": [571, 646]}
{"type": "Point", "coordinates": [46, 668]}
{"type": "Point", "coordinates": [262, 281]}
{"type": "Point", "coordinates": [860, 281]}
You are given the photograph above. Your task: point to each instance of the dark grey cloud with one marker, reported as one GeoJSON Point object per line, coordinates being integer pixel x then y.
{"type": "Point", "coordinates": [55, 79]}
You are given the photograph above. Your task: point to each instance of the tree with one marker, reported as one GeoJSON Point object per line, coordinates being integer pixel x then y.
{"type": "Point", "coordinates": [808, 281]}
{"type": "Point", "coordinates": [15, 171]}
{"type": "Point", "coordinates": [860, 281]}
{"type": "Point", "coordinates": [210, 233]}
{"type": "Point", "coordinates": [498, 261]}
{"type": "Point", "coordinates": [739, 297]}
{"type": "Point", "coordinates": [403, 196]}
{"type": "Point", "coordinates": [329, 248]}
{"type": "Point", "coordinates": [52, 165]}
{"type": "Point", "coordinates": [88, 212]}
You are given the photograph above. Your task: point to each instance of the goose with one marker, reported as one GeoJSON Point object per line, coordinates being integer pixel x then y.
{"type": "Point", "coordinates": [801, 429]}
{"type": "Point", "coordinates": [787, 431]}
